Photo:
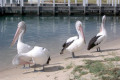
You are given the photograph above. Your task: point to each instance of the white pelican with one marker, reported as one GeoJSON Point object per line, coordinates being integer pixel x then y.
{"type": "Point", "coordinates": [74, 44]}
{"type": "Point", "coordinates": [97, 40]}
{"type": "Point", "coordinates": [21, 47]}
{"type": "Point", "coordinates": [37, 55]}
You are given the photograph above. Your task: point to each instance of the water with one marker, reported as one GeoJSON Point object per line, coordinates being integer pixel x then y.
{"type": "Point", "coordinates": [50, 32]}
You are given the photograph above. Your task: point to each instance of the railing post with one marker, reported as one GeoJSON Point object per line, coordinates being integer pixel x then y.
{"type": "Point", "coordinates": [42, 1]}
{"type": "Point", "coordinates": [18, 1]}
{"type": "Point", "coordinates": [38, 3]}
{"type": "Point", "coordinates": [53, 7]}
{"type": "Point", "coordinates": [84, 5]}
{"type": "Point", "coordinates": [118, 1]}
{"type": "Point", "coordinates": [112, 2]}
{"type": "Point", "coordinates": [69, 7]}
{"type": "Point", "coordinates": [64, 1]}
{"type": "Point", "coordinates": [1, 2]}
{"type": "Point", "coordinates": [30, 1]}
{"type": "Point", "coordinates": [38, 12]}
{"type": "Point", "coordinates": [11, 2]}
{"type": "Point", "coordinates": [87, 2]}
{"type": "Point", "coordinates": [75, 1]}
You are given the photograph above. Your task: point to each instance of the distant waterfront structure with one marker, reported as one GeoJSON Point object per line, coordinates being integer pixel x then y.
{"type": "Point", "coordinates": [51, 6]}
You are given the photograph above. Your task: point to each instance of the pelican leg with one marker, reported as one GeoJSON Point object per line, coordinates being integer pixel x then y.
{"type": "Point", "coordinates": [73, 55]}
{"type": "Point", "coordinates": [43, 68]}
{"type": "Point", "coordinates": [99, 49]}
{"type": "Point", "coordinates": [29, 65]}
{"type": "Point", "coordinates": [35, 69]}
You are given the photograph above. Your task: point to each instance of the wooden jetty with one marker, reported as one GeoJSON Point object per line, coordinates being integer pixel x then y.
{"type": "Point", "coordinates": [53, 8]}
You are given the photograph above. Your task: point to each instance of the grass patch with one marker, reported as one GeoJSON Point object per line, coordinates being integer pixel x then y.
{"type": "Point", "coordinates": [106, 71]}
{"type": "Point", "coordinates": [113, 59]}
{"type": "Point", "coordinates": [78, 71]}
{"type": "Point", "coordinates": [69, 66]}
{"type": "Point", "coordinates": [94, 66]}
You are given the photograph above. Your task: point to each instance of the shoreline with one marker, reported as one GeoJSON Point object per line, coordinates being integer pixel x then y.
{"type": "Point", "coordinates": [57, 68]}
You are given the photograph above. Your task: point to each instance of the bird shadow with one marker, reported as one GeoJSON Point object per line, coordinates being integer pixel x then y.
{"type": "Point", "coordinates": [82, 56]}
{"type": "Point", "coordinates": [47, 69]}
{"type": "Point", "coordinates": [107, 50]}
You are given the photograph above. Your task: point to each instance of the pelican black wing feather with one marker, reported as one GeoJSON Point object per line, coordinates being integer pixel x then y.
{"type": "Point", "coordinates": [65, 45]}
{"type": "Point", "coordinates": [92, 42]}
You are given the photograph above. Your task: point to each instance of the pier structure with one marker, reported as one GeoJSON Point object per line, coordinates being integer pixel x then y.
{"type": "Point", "coordinates": [67, 7]}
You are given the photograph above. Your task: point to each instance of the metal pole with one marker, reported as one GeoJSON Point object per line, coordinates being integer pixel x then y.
{"type": "Point", "coordinates": [118, 1]}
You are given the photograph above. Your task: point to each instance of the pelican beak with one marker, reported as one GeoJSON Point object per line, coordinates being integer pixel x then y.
{"type": "Point", "coordinates": [81, 30]}
{"type": "Point", "coordinates": [16, 36]}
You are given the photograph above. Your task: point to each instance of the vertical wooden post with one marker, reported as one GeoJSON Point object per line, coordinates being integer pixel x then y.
{"type": "Point", "coordinates": [69, 7]}
{"type": "Point", "coordinates": [75, 1]}
{"type": "Point", "coordinates": [53, 7]}
{"type": "Point", "coordinates": [18, 1]}
{"type": "Point", "coordinates": [115, 5]}
{"type": "Point", "coordinates": [1, 2]}
{"type": "Point", "coordinates": [84, 4]}
{"type": "Point", "coordinates": [42, 1]}
{"type": "Point", "coordinates": [30, 1]}
{"type": "Point", "coordinates": [87, 2]}
{"type": "Point", "coordinates": [38, 12]}
{"type": "Point", "coordinates": [64, 1]}
{"type": "Point", "coordinates": [112, 2]}
{"type": "Point", "coordinates": [11, 1]}
{"type": "Point", "coordinates": [97, 2]}
{"type": "Point", "coordinates": [22, 5]}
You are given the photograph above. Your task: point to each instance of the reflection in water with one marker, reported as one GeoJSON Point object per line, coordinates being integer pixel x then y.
{"type": "Point", "coordinates": [50, 32]}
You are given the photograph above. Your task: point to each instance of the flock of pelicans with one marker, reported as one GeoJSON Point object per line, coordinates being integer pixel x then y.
{"type": "Point", "coordinates": [39, 55]}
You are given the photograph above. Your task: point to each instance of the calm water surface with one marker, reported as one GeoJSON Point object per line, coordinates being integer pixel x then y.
{"type": "Point", "coordinates": [50, 32]}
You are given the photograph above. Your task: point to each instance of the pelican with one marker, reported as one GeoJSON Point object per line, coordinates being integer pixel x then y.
{"type": "Point", "coordinates": [21, 47]}
{"type": "Point", "coordinates": [97, 40]}
{"type": "Point", "coordinates": [37, 55]}
{"type": "Point", "coordinates": [74, 44]}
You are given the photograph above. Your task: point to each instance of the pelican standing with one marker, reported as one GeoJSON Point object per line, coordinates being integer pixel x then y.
{"type": "Point", "coordinates": [21, 47]}
{"type": "Point", "coordinates": [97, 40]}
{"type": "Point", "coordinates": [37, 55]}
{"type": "Point", "coordinates": [74, 44]}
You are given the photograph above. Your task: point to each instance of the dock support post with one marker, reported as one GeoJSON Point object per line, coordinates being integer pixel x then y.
{"type": "Point", "coordinates": [84, 5]}
{"type": "Point", "coordinates": [100, 4]}
{"type": "Point", "coordinates": [11, 2]}
{"type": "Point", "coordinates": [115, 7]}
{"type": "Point", "coordinates": [22, 4]}
{"type": "Point", "coordinates": [75, 1]}
{"type": "Point", "coordinates": [18, 1]}
{"type": "Point", "coordinates": [69, 7]}
{"type": "Point", "coordinates": [112, 2]}
{"type": "Point", "coordinates": [38, 12]}
{"type": "Point", "coordinates": [64, 1]}
{"type": "Point", "coordinates": [53, 7]}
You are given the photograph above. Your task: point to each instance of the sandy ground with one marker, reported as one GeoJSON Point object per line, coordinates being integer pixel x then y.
{"type": "Point", "coordinates": [56, 70]}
